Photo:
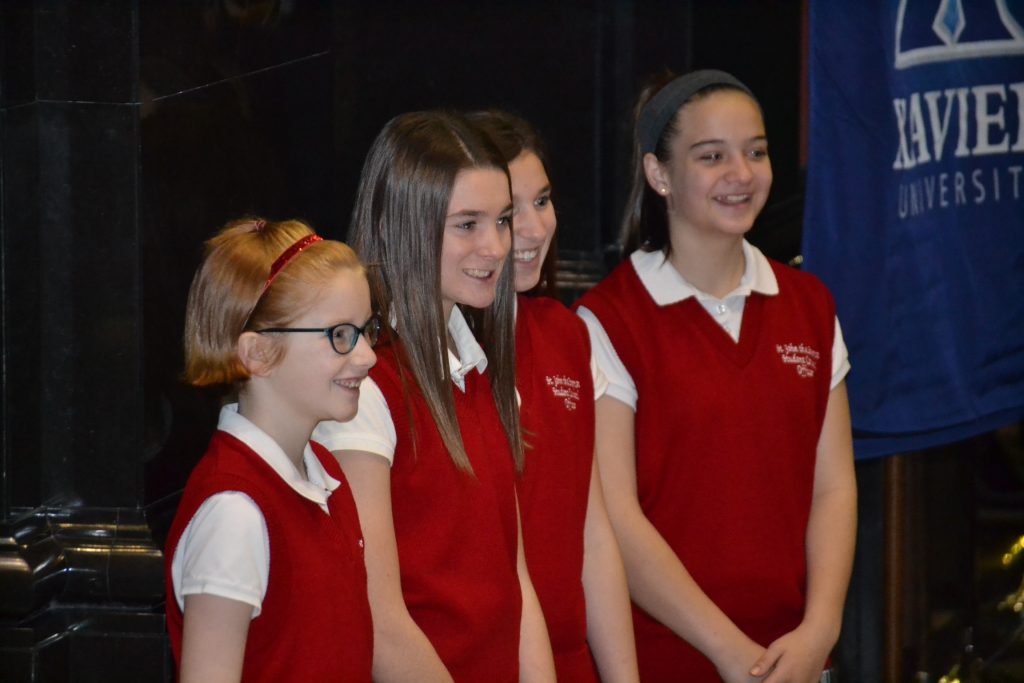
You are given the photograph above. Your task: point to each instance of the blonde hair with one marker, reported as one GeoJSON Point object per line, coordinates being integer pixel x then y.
{"type": "Point", "coordinates": [227, 295]}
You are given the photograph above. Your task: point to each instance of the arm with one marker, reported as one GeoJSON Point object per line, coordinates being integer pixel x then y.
{"type": "Point", "coordinates": [213, 639]}
{"type": "Point", "coordinates": [609, 619]}
{"type": "Point", "coordinates": [536, 662]}
{"type": "Point", "coordinates": [658, 581]}
{"type": "Point", "coordinates": [401, 651]}
{"type": "Point", "coordinates": [831, 533]}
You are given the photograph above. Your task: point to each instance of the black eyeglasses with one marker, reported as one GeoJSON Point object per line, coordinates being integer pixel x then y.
{"type": "Point", "coordinates": [344, 337]}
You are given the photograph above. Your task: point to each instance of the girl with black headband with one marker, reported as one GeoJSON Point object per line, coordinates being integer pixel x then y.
{"type": "Point", "coordinates": [724, 437]}
{"type": "Point", "coordinates": [264, 565]}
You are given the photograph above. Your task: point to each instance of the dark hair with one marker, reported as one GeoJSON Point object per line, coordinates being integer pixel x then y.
{"type": "Point", "coordinates": [645, 218]}
{"type": "Point", "coordinates": [513, 136]}
{"type": "Point", "coordinates": [397, 229]}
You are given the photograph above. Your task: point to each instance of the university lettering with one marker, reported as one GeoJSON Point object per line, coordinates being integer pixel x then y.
{"type": "Point", "coordinates": [968, 121]}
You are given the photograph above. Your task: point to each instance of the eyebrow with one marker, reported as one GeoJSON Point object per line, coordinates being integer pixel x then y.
{"type": "Point", "coordinates": [476, 213]}
{"type": "Point", "coordinates": [718, 141]}
{"type": "Point", "coordinates": [467, 213]}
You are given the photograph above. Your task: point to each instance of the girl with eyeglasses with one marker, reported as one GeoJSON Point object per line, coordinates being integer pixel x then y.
{"type": "Point", "coordinates": [265, 572]}
{"type": "Point", "coordinates": [434, 451]}
{"type": "Point", "coordinates": [724, 437]}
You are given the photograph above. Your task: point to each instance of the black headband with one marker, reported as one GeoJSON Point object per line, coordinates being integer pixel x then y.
{"type": "Point", "coordinates": [666, 102]}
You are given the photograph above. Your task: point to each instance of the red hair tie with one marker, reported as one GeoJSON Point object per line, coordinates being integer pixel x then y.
{"type": "Point", "coordinates": [283, 260]}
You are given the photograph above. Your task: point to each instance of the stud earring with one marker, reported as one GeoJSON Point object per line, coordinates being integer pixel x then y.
{"type": "Point", "coordinates": [663, 190]}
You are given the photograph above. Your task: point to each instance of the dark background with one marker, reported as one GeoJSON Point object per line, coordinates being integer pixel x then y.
{"type": "Point", "coordinates": [130, 130]}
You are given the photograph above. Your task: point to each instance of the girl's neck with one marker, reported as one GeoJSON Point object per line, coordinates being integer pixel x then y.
{"type": "Point", "coordinates": [714, 266]}
{"type": "Point", "coordinates": [290, 432]}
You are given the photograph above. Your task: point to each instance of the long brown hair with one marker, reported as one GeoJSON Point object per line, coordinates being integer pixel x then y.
{"type": "Point", "coordinates": [513, 136]}
{"type": "Point", "coordinates": [397, 229]}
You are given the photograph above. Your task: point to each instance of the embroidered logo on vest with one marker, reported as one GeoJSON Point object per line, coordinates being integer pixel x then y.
{"type": "Point", "coordinates": [565, 388]}
{"type": "Point", "coordinates": [800, 356]}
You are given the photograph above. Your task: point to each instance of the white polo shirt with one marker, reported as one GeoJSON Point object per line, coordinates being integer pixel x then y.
{"type": "Point", "coordinates": [225, 549]}
{"type": "Point", "coordinates": [666, 286]}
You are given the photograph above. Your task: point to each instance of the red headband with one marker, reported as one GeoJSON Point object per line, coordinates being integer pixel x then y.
{"type": "Point", "coordinates": [283, 260]}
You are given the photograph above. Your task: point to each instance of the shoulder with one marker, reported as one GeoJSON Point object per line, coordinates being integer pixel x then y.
{"type": "Point", "coordinates": [799, 282]}
{"type": "Point", "coordinates": [803, 294]}
{"type": "Point", "coordinates": [548, 322]}
{"type": "Point", "coordinates": [617, 289]}
{"type": "Point", "coordinates": [546, 309]}
{"type": "Point", "coordinates": [229, 481]}
{"type": "Point", "coordinates": [618, 277]}
{"type": "Point", "coordinates": [227, 465]}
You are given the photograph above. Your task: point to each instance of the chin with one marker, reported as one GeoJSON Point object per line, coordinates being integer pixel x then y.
{"type": "Point", "coordinates": [528, 274]}
{"type": "Point", "coordinates": [526, 284]}
{"type": "Point", "coordinates": [481, 301]}
{"type": "Point", "coordinates": [345, 414]}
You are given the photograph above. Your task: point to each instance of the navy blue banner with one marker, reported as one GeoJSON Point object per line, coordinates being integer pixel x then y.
{"type": "Point", "coordinates": [915, 211]}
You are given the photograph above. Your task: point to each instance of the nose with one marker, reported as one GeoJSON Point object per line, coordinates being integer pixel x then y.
{"type": "Point", "coordinates": [494, 243]}
{"type": "Point", "coordinates": [741, 170]}
{"type": "Point", "coordinates": [363, 353]}
{"type": "Point", "coordinates": [527, 225]}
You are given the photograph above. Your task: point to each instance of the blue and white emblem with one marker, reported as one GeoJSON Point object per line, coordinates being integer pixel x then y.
{"type": "Point", "coordinates": [948, 30]}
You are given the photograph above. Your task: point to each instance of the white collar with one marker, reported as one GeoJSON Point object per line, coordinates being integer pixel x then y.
{"type": "Point", "coordinates": [470, 353]}
{"type": "Point", "coordinates": [666, 286]}
{"type": "Point", "coordinates": [320, 484]}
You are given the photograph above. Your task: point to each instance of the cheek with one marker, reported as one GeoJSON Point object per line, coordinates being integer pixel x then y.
{"type": "Point", "coordinates": [447, 273]}
{"type": "Point", "coordinates": [506, 241]}
{"type": "Point", "coordinates": [696, 183]}
{"type": "Point", "coordinates": [449, 260]}
{"type": "Point", "coordinates": [549, 223]}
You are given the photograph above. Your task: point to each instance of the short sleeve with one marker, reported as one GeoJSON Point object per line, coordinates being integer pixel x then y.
{"type": "Point", "coordinates": [619, 382]}
{"type": "Point", "coordinates": [224, 551]}
{"type": "Point", "coordinates": [599, 378]}
{"type": "Point", "coordinates": [840, 358]}
{"type": "Point", "coordinates": [371, 430]}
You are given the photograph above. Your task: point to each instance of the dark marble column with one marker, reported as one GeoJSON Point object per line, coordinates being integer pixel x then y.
{"type": "Point", "coordinates": [129, 131]}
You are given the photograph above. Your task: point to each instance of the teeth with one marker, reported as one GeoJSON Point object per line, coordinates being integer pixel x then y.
{"type": "Point", "coordinates": [349, 383]}
{"type": "Point", "coordinates": [734, 198]}
{"type": "Point", "coordinates": [525, 254]}
{"type": "Point", "coordinates": [473, 272]}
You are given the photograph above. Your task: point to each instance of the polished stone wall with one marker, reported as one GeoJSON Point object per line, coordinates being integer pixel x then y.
{"type": "Point", "coordinates": [129, 132]}
{"type": "Point", "coordinates": [131, 129]}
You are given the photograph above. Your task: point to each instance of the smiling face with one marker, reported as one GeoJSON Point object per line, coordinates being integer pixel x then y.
{"type": "Point", "coordinates": [719, 175]}
{"type": "Point", "coordinates": [477, 238]}
{"type": "Point", "coordinates": [533, 218]}
{"type": "Point", "coordinates": [311, 381]}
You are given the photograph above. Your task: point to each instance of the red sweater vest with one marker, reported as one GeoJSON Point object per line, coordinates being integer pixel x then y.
{"type": "Point", "coordinates": [726, 437]}
{"type": "Point", "coordinates": [456, 532]}
{"type": "Point", "coordinates": [295, 637]}
{"type": "Point", "coordinates": [557, 393]}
